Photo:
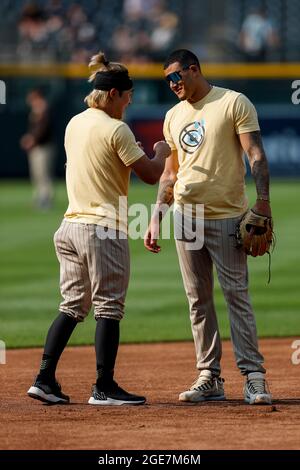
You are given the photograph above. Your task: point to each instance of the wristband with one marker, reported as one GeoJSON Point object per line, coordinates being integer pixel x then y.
{"type": "Point", "coordinates": [262, 198]}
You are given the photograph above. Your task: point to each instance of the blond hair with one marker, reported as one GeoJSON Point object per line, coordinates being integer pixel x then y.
{"type": "Point", "coordinates": [99, 63]}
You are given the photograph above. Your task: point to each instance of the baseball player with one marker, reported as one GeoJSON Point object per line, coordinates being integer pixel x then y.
{"type": "Point", "coordinates": [208, 130]}
{"type": "Point", "coordinates": [91, 243]}
{"type": "Point", "coordinates": [38, 143]}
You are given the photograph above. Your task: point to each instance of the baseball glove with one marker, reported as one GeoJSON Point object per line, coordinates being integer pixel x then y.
{"type": "Point", "coordinates": [255, 234]}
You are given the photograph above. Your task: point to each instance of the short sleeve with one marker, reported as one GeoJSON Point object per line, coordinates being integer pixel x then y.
{"type": "Point", "coordinates": [167, 132]}
{"type": "Point", "coordinates": [124, 143]}
{"type": "Point", "coordinates": [244, 115]}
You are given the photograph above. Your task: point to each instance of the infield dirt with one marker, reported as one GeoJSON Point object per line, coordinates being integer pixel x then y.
{"type": "Point", "coordinates": [161, 372]}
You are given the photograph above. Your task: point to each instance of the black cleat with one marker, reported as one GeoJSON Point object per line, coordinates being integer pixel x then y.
{"type": "Point", "coordinates": [112, 394]}
{"type": "Point", "coordinates": [48, 393]}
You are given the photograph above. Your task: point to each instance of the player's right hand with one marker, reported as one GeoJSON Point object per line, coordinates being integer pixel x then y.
{"type": "Point", "coordinates": [162, 148]}
{"type": "Point", "coordinates": [151, 236]}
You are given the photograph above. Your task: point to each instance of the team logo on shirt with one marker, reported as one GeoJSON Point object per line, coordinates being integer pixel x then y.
{"type": "Point", "coordinates": [191, 136]}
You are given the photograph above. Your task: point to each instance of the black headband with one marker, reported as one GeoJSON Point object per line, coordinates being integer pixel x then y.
{"type": "Point", "coordinates": [107, 80]}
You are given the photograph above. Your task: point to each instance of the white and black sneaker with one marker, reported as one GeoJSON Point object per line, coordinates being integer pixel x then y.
{"type": "Point", "coordinates": [112, 394]}
{"type": "Point", "coordinates": [256, 391]}
{"type": "Point", "coordinates": [205, 388]}
{"type": "Point", "coordinates": [48, 393]}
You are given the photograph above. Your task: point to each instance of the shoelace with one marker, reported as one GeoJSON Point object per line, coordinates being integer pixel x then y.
{"type": "Point", "coordinates": [203, 383]}
{"type": "Point", "coordinates": [257, 386]}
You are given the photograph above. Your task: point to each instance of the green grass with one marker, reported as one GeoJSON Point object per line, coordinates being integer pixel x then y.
{"type": "Point", "coordinates": [156, 307]}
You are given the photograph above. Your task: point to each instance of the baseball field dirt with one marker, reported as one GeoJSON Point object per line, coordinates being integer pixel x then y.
{"type": "Point", "coordinates": [160, 371]}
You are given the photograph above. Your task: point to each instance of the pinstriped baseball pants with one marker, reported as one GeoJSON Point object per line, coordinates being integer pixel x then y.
{"type": "Point", "coordinates": [93, 270]}
{"type": "Point", "coordinates": [196, 266]}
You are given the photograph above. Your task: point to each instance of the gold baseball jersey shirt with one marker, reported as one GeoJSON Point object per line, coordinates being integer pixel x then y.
{"type": "Point", "coordinates": [99, 151]}
{"type": "Point", "coordinates": [211, 165]}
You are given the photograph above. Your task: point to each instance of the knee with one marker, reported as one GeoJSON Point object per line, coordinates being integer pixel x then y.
{"type": "Point", "coordinates": [111, 310]}
{"type": "Point", "coordinates": [201, 305]}
{"type": "Point", "coordinates": [77, 306]}
{"type": "Point", "coordinates": [233, 291]}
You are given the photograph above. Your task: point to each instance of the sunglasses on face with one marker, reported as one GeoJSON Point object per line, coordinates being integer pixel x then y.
{"type": "Point", "coordinates": [175, 77]}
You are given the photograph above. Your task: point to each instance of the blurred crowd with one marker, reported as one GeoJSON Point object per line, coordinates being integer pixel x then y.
{"type": "Point", "coordinates": [128, 30]}
{"type": "Point", "coordinates": [146, 30]}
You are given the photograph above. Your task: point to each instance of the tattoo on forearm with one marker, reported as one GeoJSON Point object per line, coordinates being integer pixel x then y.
{"type": "Point", "coordinates": [260, 174]}
{"type": "Point", "coordinates": [259, 165]}
{"type": "Point", "coordinates": [165, 193]}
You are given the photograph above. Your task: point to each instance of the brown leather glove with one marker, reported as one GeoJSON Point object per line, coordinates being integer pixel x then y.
{"type": "Point", "coordinates": [255, 233]}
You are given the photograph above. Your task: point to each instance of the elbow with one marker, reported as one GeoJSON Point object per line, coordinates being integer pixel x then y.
{"type": "Point", "coordinates": [152, 179]}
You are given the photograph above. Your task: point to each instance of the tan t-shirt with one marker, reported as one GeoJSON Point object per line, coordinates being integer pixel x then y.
{"type": "Point", "coordinates": [211, 165]}
{"type": "Point", "coordinates": [99, 151]}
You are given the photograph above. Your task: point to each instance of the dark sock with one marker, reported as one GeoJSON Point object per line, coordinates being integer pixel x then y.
{"type": "Point", "coordinates": [56, 341]}
{"type": "Point", "coordinates": [106, 346]}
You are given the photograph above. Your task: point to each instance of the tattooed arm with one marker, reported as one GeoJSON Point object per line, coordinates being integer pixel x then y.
{"type": "Point", "coordinates": [252, 145]}
{"type": "Point", "coordinates": [165, 198]}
